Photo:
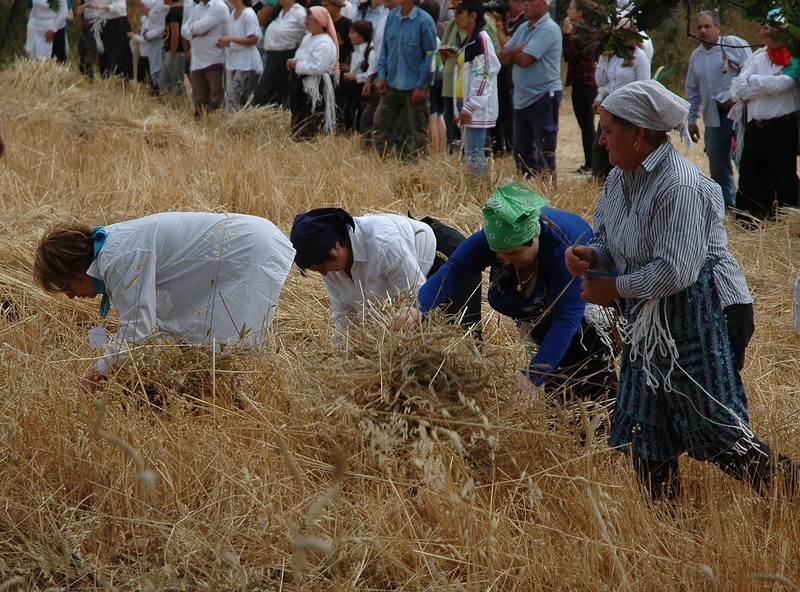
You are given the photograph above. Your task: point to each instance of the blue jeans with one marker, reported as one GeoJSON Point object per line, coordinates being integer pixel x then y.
{"type": "Point", "coordinates": [720, 163]}
{"type": "Point", "coordinates": [475, 149]}
{"type": "Point", "coordinates": [536, 135]}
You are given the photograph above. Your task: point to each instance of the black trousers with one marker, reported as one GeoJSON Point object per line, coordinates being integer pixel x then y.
{"type": "Point", "coordinates": [768, 168]}
{"type": "Point", "coordinates": [582, 99]}
{"type": "Point", "coordinates": [758, 466]}
{"type": "Point", "coordinates": [273, 86]}
{"type": "Point", "coordinates": [466, 304]}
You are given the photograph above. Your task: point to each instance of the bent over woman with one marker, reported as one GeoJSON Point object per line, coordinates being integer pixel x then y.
{"type": "Point", "coordinates": [378, 256]}
{"type": "Point", "coordinates": [523, 244]}
{"type": "Point", "coordinates": [205, 278]}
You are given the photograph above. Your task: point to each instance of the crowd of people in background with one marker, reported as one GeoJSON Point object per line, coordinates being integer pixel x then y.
{"type": "Point", "coordinates": [449, 76]}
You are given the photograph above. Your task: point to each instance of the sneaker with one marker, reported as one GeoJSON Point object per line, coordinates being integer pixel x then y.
{"type": "Point", "coordinates": [584, 170]}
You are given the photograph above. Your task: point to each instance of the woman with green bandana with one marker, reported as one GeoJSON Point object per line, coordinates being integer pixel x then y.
{"type": "Point", "coordinates": [204, 278]}
{"type": "Point", "coordinates": [523, 244]}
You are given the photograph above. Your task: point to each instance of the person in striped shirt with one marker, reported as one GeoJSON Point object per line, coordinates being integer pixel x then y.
{"type": "Point", "coordinates": [659, 223]}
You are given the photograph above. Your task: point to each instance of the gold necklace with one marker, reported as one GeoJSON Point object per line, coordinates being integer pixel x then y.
{"type": "Point", "coordinates": [522, 284]}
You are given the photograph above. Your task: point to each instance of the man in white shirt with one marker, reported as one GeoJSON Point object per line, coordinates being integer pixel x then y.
{"type": "Point", "coordinates": [768, 98]}
{"type": "Point", "coordinates": [206, 24]}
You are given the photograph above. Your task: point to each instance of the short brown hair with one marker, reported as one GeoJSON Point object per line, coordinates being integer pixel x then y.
{"type": "Point", "coordinates": [64, 252]}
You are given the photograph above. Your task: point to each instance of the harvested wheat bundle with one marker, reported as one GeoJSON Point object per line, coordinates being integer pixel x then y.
{"type": "Point", "coordinates": [418, 394]}
{"type": "Point", "coordinates": [177, 377]}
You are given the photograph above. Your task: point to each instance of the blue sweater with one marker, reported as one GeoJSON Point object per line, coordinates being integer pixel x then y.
{"type": "Point", "coordinates": [552, 328]}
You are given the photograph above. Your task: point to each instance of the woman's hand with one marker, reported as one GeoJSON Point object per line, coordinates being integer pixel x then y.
{"type": "Point", "coordinates": [91, 379]}
{"type": "Point", "coordinates": [464, 117]}
{"type": "Point", "coordinates": [405, 319]}
{"type": "Point", "coordinates": [599, 289]}
{"type": "Point", "coordinates": [223, 41]}
{"type": "Point", "coordinates": [567, 26]}
{"type": "Point", "coordinates": [349, 76]}
{"type": "Point", "coordinates": [291, 64]}
{"type": "Point", "coordinates": [526, 390]}
{"type": "Point", "coordinates": [580, 259]}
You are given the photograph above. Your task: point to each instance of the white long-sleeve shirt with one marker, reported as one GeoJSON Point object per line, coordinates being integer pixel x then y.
{"type": "Point", "coordinates": [391, 255]}
{"type": "Point", "coordinates": [767, 92]}
{"type": "Point", "coordinates": [316, 55]}
{"type": "Point", "coordinates": [197, 276]}
{"type": "Point", "coordinates": [357, 65]}
{"type": "Point", "coordinates": [206, 24]}
{"type": "Point", "coordinates": [287, 30]}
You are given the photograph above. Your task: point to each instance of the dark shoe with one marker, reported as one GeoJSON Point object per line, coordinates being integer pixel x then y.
{"type": "Point", "coordinates": [584, 170]}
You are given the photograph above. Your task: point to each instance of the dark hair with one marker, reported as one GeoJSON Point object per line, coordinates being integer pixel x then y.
{"type": "Point", "coordinates": [432, 8]}
{"type": "Point", "coordinates": [63, 253]}
{"type": "Point", "coordinates": [315, 233]}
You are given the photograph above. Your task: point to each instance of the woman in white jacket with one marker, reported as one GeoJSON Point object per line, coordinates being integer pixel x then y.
{"type": "Point", "coordinates": [43, 24]}
{"type": "Point", "coordinates": [205, 278]}
{"type": "Point", "coordinates": [479, 66]}
{"type": "Point", "coordinates": [316, 70]}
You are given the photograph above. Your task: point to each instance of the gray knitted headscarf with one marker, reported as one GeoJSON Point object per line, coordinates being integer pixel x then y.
{"type": "Point", "coordinates": [647, 104]}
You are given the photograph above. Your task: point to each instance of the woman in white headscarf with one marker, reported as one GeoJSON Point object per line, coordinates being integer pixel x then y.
{"type": "Point", "coordinates": [659, 222]}
{"type": "Point", "coordinates": [315, 69]}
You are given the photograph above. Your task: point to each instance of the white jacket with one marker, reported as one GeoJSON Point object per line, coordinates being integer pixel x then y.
{"type": "Point", "coordinates": [479, 81]}
{"type": "Point", "coordinates": [197, 276]}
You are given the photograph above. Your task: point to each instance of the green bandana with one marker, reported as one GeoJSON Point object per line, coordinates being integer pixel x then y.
{"type": "Point", "coordinates": [512, 216]}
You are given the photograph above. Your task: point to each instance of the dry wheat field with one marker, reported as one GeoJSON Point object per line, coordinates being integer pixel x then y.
{"type": "Point", "coordinates": [405, 463]}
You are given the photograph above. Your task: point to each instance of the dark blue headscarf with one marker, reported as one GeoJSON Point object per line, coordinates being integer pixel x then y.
{"type": "Point", "coordinates": [316, 232]}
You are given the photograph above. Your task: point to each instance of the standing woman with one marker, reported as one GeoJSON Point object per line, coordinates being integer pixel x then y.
{"type": "Point", "coordinates": [106, 22]}
{"type": "Point", "coordinates": [43, 25]}
{"type": "Point", "coordinates": [281, 39]}
{"type": "Point", "coordinates": [523, 243]}
{"type": "Point", "coordinates": [479, 68]}
{"type": "Point", "coordinates": [659, 222]}
{"type": "Point", "coordinates": [205, 278]}
{"type": "Point", "coordinates": [623, 65]}
{"type": "Point", "coordinates": [315, 70]}
{"type": "Point", "coordinates": [243, 64]}
{"type": "Point", "coordinates": [378, 256]}
{"type": "Point", "coordinates": [581, 51]}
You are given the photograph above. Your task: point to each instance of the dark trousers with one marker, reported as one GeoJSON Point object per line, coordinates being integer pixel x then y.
{"type": "Point", "coordinates": [768, 168]}
{"type": "Point", "coordinates": [60, 45]}
{"type": "Point", "coordinates": [600, 165]}
{"type": "Point", "coordinates": [273, 86]}
{"type": "Point", "coordinates": [466, 304]}
{"type": "Point", "coordinates": [757, 465]}
{"type": "Point", "coordinates": [368, 114]}
{"type": "Point", "coordinates": [583, 97]}
{"type": "Point", "coordinates": [116, 58]}
{"type": "Point", "coordinates": [536, 135]}
{"type": "Point", "coordinates": [397, 105]}
{"type": "Point", "coordinates": [503, 131]}
{"type": "Point", "coordinates": [306, 122]}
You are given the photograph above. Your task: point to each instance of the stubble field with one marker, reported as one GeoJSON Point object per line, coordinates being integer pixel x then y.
{"type": "Point", "coordinates": [406, 463]}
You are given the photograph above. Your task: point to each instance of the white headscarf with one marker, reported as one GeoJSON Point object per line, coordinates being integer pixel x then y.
{"type": "Point", "coordinates": [648, 104]}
